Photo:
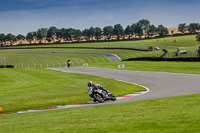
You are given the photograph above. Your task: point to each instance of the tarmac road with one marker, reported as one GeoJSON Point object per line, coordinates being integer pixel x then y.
{"type": "Point", "coordinates": [160, 84]}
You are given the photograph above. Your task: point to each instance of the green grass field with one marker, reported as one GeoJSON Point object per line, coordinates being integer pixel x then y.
{"type": "Point", "coordinates": [160, 66]}
{"type": "Point", "coordinates": [25, 89]}
{"type": "Point", "coordinates": [38, 59]}
{"type": "Point", "coordinates": [187, 42]}
{"type": "Point", "coordinates": [175, 114]}
{"type": "Point", "coordinates": [35, 59]}
{"type": "Point", "coordinates": [30, 86]}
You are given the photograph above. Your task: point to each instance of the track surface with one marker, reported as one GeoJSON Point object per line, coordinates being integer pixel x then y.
{"type": "Point", "coordinates": [160, 84]}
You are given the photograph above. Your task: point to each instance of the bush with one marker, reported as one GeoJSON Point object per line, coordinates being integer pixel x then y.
{"type": "Point", "coordinates": [198, 51]}
{"type": "Point", "coordinates": [198, 37]}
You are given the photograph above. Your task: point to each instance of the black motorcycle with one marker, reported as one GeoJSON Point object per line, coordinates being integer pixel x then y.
{"type": "Point", "coordinates": [101, 95]}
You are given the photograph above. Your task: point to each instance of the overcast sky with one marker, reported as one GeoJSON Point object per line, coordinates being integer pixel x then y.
{"type": "Point", "coordinates": [23, 16]}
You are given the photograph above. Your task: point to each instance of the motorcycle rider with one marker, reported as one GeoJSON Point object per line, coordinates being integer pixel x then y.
{"type": "Point", "coordinates": [96, 86]}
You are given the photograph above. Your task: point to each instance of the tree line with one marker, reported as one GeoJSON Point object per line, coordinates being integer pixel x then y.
{"type": "Point", "coordinates": [143, 28]}
{"type": "Point", "coordinates": [191, 28]}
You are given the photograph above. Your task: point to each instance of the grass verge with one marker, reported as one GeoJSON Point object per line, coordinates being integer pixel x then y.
{"type": "Point", "coordinates": [162, 66]}
{"type": "Point", "coordinates": [166, 115]}
{"type": "Point", "coordinates": [38, 59]}
{"type": "Point", "coordinates": [24, 89]}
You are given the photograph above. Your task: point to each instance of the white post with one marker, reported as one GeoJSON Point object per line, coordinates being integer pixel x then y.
{"type": "Point", "coordinates": [4, 62]}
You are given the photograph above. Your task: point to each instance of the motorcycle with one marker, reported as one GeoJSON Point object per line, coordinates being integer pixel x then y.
{"type": "Point", "coordinates": [101, 95]}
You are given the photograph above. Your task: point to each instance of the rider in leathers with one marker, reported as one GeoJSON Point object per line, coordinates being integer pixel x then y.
{"type": "Point", "coordinates": [95, 87]}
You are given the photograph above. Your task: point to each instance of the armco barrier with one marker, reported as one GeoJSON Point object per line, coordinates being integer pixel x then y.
{"type": "Point", "coordinates": [6, 66]}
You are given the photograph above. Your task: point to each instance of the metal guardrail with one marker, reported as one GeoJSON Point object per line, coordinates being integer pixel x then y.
{"type": "Point", "coordinates": [6, 66]}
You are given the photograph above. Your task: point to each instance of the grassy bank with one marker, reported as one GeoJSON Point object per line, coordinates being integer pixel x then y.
{"type": "Point", "coordinates": [23, 89]}
{"type": "Point", "coordinates": [162, 66]}
{"type": "Point", "coordinates": [46, 58]}
{"type": "Point", "coordinates": [187, 42]}
{"type": "Point", "coordinates": [166, 115]}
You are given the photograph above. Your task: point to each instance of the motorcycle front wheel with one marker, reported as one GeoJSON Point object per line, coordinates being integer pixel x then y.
{"type": "Point", "coordinates": [112, 97]}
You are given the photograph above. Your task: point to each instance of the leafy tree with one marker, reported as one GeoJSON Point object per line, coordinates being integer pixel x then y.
{"type": "Point", "coordinates": [198, 37]}
{"type": "Point", "coordinates": [77, 35]}
{"type": "Point", "coordinates": [11, 38]}
{"type": "Point", "coordinates": [51, 34]}
{"type": "Point", "coordinates": [198, 51]}
{"type": "Point", "coordinates": [71, 33]}
{"type": "Point", "coordinates": [65, 34]}
{"type": "Point", "coordinates": [20, 37]}
{"type": "Point", "coordinates": [2, 38]}
{"type": "Point", "coordinates": [86, 34]}
{"type": "Point", "coordinates": [134, 29]}
{"type": "Point", "coordinates": [129, 31]}
{"type": "Point", "coordinates": [91, 32]}
{"type": "Point", "coordinates": [41, 34]}
{"type": "Point", "coordinates": [34, 35]}
{"type": "Point", "coordinates": [162, 31]}
{"type": "Point", "coordinates": [59, 35]}
{"type": "Point", "coordinates": [144, 26]}
{"type": "Point", "coordinates": [151, 31]}
{"type": "Point", "coordinates": [97, 33]}
{"type": "Point", "coordinates": [108, 31]}
{"type": "Point", "coordinates": [193, 27]}
{"type": "Point", "coordinates": [138, 30]}
{"type": "Point", "coordinates": [29, 37]}
{"type": "Point", "coordinates": [182, 27]}
{"type": "Point", "coordinates": [118, 30]}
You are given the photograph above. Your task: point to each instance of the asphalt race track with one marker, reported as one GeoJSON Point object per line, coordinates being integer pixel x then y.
{"type": "Point", "coordinates": [160, 84]}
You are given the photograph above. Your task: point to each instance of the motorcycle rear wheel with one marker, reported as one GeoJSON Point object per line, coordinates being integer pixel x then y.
{"type": "Point", "coordinates": [99, 98]}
